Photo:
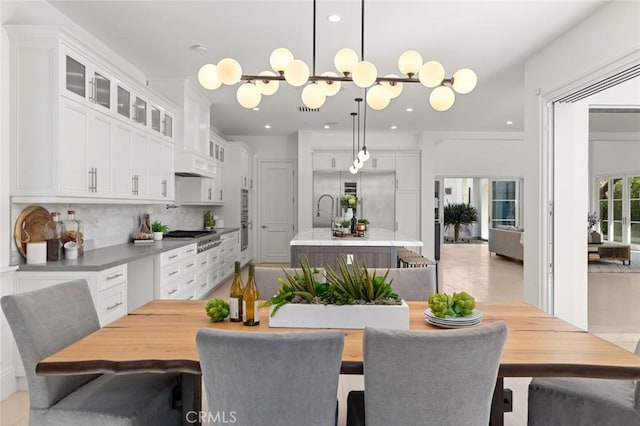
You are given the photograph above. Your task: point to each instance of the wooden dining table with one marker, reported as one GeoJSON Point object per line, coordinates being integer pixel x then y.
{"type": "Point", "coordinates": [159, 337]}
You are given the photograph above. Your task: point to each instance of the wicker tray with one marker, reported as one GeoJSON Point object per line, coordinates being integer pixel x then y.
{"type": "Point", "coordinates": [30, 227]}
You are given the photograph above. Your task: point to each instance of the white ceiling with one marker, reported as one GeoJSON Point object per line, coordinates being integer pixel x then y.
{"type": "Point", "coordinates": [494, 38]}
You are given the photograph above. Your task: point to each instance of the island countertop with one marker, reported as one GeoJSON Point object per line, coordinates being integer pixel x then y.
{"type": "Point", "coordinates": [377, 237]}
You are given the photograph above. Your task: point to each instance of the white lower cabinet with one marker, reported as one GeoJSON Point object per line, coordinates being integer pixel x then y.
{"type": "Point", "coordinates": [108, 291]}
{"type": "Point", "coordinates": [177, 272]}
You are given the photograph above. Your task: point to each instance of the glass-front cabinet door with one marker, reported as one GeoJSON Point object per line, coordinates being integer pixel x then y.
{"type": "Point", "coordinates": [168, 125]}
{"type": "Point", "coordinates": [140, 111]}
{"type": "Point", "coordinates": [101, 90]}
{"type": "Point", "coordinates": [75, 77]}
{"type": "Point", "coordinates": [155, 118]}
{"type": "Point", "coordinates": [124, 102]}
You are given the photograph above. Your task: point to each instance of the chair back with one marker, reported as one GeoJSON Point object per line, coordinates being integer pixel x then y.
{"type": "Point", "coordinates": [265, 378]}
{"type": "Point", "coordinates": [444, 377]}
{"type": "Point", "coordinates": [45, 321]}
{"type": "Point", "coordinates": [411, 283]}
{"type": "Point", "coordinates": [267, 279]}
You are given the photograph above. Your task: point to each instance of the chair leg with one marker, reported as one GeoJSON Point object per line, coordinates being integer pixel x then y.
{"type": "Point", "coordinates": [355, 408]}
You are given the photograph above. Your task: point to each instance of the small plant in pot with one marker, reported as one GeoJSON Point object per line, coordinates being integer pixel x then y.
{"type": "Point", "coordinates": [158, 230]}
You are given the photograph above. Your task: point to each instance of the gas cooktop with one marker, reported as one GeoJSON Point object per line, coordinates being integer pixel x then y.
{"type": "Point", "coordinates": [188, 234]}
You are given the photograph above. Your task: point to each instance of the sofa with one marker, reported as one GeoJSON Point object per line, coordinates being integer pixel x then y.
{"type": "Point", "coordinates": [507, 241]}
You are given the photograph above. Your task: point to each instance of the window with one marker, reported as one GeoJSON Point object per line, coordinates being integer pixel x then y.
{"type": "Point", "coordinates": [505, 203]}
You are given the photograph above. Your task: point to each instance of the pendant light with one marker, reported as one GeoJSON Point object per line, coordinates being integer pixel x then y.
{"type": "Point", "coordinates": [353, 169]}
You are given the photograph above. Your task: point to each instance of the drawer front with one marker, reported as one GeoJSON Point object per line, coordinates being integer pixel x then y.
{"type": "Point", "coordinates": [112, 304]}
{"type": "Point", "coordinates": [171, 272]}
{"type": "Point", "coordinates": [170, 290]}
{"type": "Point", "coordinates": [190, 250]}
{"type": "Point", "coordinates": [171, 256]}
{"type": "Point", "coordinates": [112, 277]}
{"type": "Point", "coordinates": [188, 283]}
{"type": "Point", "coordinates": [202, 284]}
{"type": "Point", "coordinates": [189, 265]}
{"type": "Point", "coordinates": [203, 261]}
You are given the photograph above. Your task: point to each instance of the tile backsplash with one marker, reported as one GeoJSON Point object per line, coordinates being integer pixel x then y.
{"type": "Point", "coordinates": [109, 224]}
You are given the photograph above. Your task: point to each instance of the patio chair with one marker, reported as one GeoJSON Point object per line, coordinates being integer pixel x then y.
{"type": "Point", "coordinates": [47, 320]}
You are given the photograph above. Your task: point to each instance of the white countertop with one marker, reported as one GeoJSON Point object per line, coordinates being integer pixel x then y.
{"type": "Point", "coordinates": [374, 237]}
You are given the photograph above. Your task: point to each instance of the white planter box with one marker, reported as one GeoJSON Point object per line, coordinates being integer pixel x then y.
{"type": "Point", "coordinates": [298, 315]}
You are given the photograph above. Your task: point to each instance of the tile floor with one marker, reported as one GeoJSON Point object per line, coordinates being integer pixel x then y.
{"type": "Point", "coordinates": [471, 268]}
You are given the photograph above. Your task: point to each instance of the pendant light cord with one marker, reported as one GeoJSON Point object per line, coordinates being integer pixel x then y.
{"type": "Point", "coordinates": [361, 32]}
{"type": "Point", "coordinates": [314, 37]}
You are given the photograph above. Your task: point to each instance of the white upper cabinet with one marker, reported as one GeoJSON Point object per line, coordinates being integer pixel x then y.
{"type": "Point", "coordinates": [195, 155]}
{"type": "Point", "coordinates": [380, 162]}
{"type": "Point", "coordinates": [332, 161]}
{"type": "Point", "coordinates": [76, 120]}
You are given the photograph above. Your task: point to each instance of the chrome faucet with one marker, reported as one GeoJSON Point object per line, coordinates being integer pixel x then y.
{"type": "Point", "coordinates": [332, 218]}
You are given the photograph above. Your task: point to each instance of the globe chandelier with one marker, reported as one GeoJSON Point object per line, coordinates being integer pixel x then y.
{"type": "Point", "coordinates": [380, 89]}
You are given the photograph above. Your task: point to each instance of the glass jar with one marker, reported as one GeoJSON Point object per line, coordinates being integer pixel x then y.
{"type": "Point", "coordinates": [72, 231]}
{"type": "Point", "coordinates": [53, 237]}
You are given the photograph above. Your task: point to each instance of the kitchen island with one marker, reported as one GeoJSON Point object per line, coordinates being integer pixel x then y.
{"type": "Point", "coordinates": [377, 249]}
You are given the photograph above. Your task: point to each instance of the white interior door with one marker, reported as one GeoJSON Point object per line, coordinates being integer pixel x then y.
{"type": "Point", "coordinates": [276, 206]}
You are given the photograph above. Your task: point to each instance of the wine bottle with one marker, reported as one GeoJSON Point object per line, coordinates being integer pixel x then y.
{"type": "Point", "coordinates": [235, 296]}
{"type": "Point", "coordinates": [250, 298]}
{"type": "Point", "coordinates": [354, 223]}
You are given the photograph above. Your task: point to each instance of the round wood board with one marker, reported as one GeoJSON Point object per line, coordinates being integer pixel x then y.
{"type": "Point", "coordinates": [30, 227]}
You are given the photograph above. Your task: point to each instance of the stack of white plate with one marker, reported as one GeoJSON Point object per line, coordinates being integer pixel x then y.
{"type": "Point", "coordinates": [453, 322]}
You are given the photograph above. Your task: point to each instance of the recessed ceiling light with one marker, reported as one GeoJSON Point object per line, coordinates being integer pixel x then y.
{"type": "Point", "coordinates": [334, 18]}
{"type": "Point", "coordinates": [326, 126]}
{"type": "Point", "coordinates": [394, 127]}
{"type": "Point", "coordinates": [200, 48]}
{"type": "Point", "coordinates": [267, 126]}
{"type": "Point", "coordinates": [409, 109]}
{"type": "Point", "coordinates": [509, 123]}
{"type": "Point", "coordinates": [256, 108]}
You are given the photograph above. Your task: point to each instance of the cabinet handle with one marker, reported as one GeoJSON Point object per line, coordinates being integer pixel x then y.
{"type": "Point", "coordinates": [191, 250]}
{"type": "Point", "coordinates": [95, 180]}
{"type": "Point", "coordinates": [91, 179]}
{"type": "Point", "coordinates": [134, 112]}
{"type": "Point", "coordinates": [333, 163]}
{"type": "Point", "coordinates": [92, 97]}
{"type": "Point", "coordinates": [114, 276]}
{"type": "Point", "coordinates": [221, 195]}
{"type": "Point", "coordinates": [203, 285]}
{"type": "Point", "coordinates": [172, 273]}
{"type": "Point", "coordinates": [375, 163]}
{"type": "Point", "coordinates": [133, 184]}
{"type": "Point", "coordinates": [190, 281]}
{"type": "Point", "coordinates": [209, 194]}
{"type": "Point", "coordinates": [190, 265]}
{"type": "Point", "coordinates": [164, 188]}
{"type": "Point", "coordinates": [115, 305]}
{"type": "Point", "coordinates": [173, 256]}
{"type": "Point", "coordinates": [173, 291]}
{"type": "Point", "coordinates": [203, 263]}
{"type": "Point", "coordinates": [190, 297]}
{"type": "Point", "coordinates": [137, 185]}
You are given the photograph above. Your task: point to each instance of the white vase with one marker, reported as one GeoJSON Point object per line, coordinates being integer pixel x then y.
{"type": "Point", "coordinates": [348, 215]}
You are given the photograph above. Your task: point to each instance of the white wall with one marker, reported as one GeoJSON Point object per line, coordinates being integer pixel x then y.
{"type": "Point", "coordinates": [500, 155]}
{"type": "Point", "coordinates": [610, 156]}
{"type": "Point", "coordinates": [271, 147]}
{"type": "Point", "coordinates": [605, 42]}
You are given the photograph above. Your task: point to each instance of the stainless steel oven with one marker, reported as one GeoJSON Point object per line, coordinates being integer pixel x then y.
{"type": "Point", "coordinates": [244, 219]}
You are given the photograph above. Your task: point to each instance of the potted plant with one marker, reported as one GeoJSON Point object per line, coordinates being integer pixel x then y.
{"type": "Point", "coordinates": [345, 224]}
{"type": "Point", "coordinates": [158, 230]}
{"type": "Point", "coordinates": [209, 220]}
{"type": "Point", "coordinates": [365, 222]}
{"type": "Point", "coordinates": [593, 235]}
{"type": "Point", "coordinates": [457, 215]}
{"type": "Point", "coordinates": [352, 297]}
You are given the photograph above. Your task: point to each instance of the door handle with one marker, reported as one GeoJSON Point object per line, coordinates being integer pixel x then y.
{"type": "Point", "coordinates": [264, 226]}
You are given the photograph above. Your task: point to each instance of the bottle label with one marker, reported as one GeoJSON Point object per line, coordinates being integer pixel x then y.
{"type": "Point", "coordinates": [256, 311]}
{"type": "Point", "coordinates": [234, 312]}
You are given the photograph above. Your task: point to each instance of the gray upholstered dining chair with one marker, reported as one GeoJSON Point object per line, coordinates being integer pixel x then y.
{"type": "Point", "coordinates": [47, 320]}
{"type": "Point", "coordinates": [411, 283]}
{"type": "Point", "coordinates": [427, 377]}
{"type": "Point", "coordinates": [266, 378]}
{"type": "Point", "coordinates": [584, 401]}
{"type": "Point", "coordinates": [267, 279]}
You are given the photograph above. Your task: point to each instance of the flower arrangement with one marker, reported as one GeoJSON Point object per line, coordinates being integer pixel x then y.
{"type": "Point", "coordinates": [349, 201]}
{"type": "Point", "coordinates": [592, 220]}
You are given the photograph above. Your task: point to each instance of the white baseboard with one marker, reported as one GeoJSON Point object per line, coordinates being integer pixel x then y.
{"type": "Point", "coordinates": [8, 383]}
